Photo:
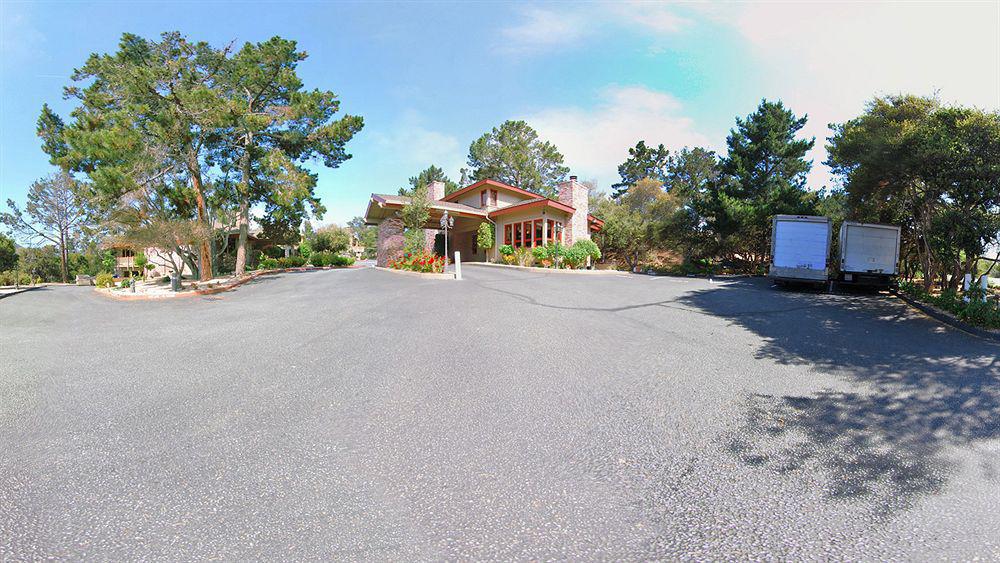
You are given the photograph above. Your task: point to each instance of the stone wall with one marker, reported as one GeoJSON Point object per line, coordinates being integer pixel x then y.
{"type": "Point", "coordinates": [574, 194]}
{"type": "Point", "coordinates": [390, 241]}
{"type": "Point", "coordinates": [435, 192]}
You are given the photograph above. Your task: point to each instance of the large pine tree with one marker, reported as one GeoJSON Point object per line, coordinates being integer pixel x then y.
{"type": "Point", "coordinates": [764, 174]}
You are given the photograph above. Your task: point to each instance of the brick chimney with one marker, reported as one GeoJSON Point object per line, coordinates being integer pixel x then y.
{"type": "Point", "coordinates": [574, 194]}
{"type": "Point", "coordinates": [435, 191]}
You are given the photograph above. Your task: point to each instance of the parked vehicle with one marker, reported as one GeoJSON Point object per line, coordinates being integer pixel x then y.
{"type": "Point", "coordinates": [800, 249]}
{"type": "Point", "coordinates": [869, 253]}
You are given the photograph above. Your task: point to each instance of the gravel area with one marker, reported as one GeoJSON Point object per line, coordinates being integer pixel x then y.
{"type": "Point", "coordinates": [357, 414]}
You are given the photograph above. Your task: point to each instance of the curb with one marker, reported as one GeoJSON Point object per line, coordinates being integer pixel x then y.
{"type": "Point", "coordinates": [946, 318]}
{"type": "Point", "coordinates": [550, 270]}
{"type": "Point", "coordinates": [23, 290]}
{"type": "Point", "coordinates": [426, 275]}
{"type": "Point", "coordinates": [221, 288]}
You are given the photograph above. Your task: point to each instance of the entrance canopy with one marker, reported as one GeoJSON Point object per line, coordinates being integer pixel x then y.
{"type": "Point", "coordinates": [383, 206]}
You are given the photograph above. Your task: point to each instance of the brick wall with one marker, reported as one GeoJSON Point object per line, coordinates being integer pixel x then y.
{"type": "Point", "coordinates": [390, 241]}
{"type": "Point", "coordinates": [574, 194]}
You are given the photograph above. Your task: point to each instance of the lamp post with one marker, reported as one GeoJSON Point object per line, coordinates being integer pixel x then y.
{"type": "Point", "coordinates": [447, 222]}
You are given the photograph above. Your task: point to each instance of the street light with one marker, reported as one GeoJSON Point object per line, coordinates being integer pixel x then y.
{"type": "Point", "coordinates": [446, 223]}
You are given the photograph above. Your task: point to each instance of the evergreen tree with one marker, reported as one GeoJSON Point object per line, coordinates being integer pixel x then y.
{"type": "Point", "coordinates": [513, 154]}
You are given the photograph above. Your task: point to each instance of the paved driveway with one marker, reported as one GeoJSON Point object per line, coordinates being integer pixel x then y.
{"type": "Point", "coordinates": [364, 415]}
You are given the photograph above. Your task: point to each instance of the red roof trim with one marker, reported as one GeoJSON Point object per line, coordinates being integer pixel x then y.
{"type": "Point", "coordinates": [475, 213]}
{"type": "Point", "coordinates": [492, 183]}
{"type": "Point", "coordinates": [531, 204]}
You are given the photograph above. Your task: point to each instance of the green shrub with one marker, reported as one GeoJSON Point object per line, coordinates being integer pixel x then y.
{"type": "Point", "coordinates": [976, 311]}
{"type": "Point", "coordinates": [13, 277]}
{"type": "Point", "coordinates": [506, 250]}
{"type": "Point", "coordinates": [340, 260]}
{"type": "Point", "coordinates": [575, 257]}
{"type": "Point", "coordinates": [268, 263]}
{"type": "Point", "coordinates": [589, 247]}
{"type": "Point", "coordinates": [274, 252]}
{"type": "Point", "coordinates": [540, 253]}
{"type": "Point", "coordinates": [291, 262]}
{"type": "Point", "coordinates": [320, 259]}
{"type": "Point", "coordinates": [104, 279]}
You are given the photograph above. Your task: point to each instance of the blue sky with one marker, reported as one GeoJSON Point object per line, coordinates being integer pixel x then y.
{"type": "Point", "coordinates": [594, 78]}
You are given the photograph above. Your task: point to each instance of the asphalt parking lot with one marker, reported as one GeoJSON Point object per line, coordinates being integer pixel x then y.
{"type": "Point", "coordinates": [360, 414]}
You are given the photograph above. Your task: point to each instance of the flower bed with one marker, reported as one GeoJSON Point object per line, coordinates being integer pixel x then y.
{"type": "Point", "coordinates": [424, 262]}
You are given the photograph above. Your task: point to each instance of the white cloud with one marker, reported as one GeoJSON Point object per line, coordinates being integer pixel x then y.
{"type": "Point", "coordinates": [594, 141]}
{"type": "Point", "coordinates": [656, 17]}
{"type": "Point", "coordinates": [566, 25]}
{"type": "Point", "coordinates": [828, 59]}
{"type": "Point", "coordinates": [544, 29]}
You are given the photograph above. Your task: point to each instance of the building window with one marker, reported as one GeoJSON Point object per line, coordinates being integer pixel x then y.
{"type": "Point", "coordinates": [493, 198]}
{"type": "Point", "coordinates": [506, 234]}
{"type": "Point", "coordinates": [482, 199]}
{"type": "Point", "coordinates": [127, 253]}
{"type": "Point", "coordinates": [517, 234]}
{"type": "Point", "coordinates": [538, 233]}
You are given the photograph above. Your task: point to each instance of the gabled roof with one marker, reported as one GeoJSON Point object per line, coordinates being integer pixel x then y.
{"type": "Point", "coordinates": [532, 203]}
{"type": "Point", "coordinates": [488, 183]}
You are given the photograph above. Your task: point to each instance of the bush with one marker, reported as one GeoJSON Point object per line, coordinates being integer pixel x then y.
{"type": "Point", "coordinates": [268, 264]}
{"type": "Point", "coordinates": [340, 260]}
{"type": "Point", "coordinates": [523, 256]}
{"type": "Point", "coordinates": [419, 262]}
{"type": "Point", "coordinates": [291, 262]}
{"type": "Point", "coordinates": [274, 252]}
{"type": "Point", "coordinates": [589, 248]}
{"type": "Point", "coordinates": [104, 279]}
{"type": "Point", "coordinates": [540, 253]}
{"type": "Point", "coordinates": [12, 277]}
{"type": "Point", "coordinates": [975, 311]}
{"type": "Point", "coordinates": [320, 259]}
{"type": "Point", "coordinates": [575, 257]}
{"type": "Point", "coordinates": [506, 250]}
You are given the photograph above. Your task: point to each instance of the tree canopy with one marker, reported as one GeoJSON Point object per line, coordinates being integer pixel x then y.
{"type": "Point", "coordinates": [643, 162]}
{"type": "Point", "coordinates": [935, 170]}
{"type": "Point", "coordinates": [513, 154]}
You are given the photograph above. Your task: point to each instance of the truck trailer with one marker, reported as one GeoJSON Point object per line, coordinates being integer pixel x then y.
{"type": "Point", "coordinates": [869, 253]}
{"type": "Point", "coordinates": [800, 249]}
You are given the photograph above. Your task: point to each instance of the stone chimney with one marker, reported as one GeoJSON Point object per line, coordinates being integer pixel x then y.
{"type": "Point", "coordinates": [574, 194]}
{"type": "Point", "coordinates": [435, 191]}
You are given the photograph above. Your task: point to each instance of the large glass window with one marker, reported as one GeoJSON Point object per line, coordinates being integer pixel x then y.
{"type": "Point", "coordinates": [538, 233]}
{"type": "Point", "coordinates": [506, 234]}
{"type": "Point", "coordinates": [517, 234]}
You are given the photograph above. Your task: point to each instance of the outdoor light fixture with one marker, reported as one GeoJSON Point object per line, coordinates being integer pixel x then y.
{"type": "Point", "coordinates": [447, 222]}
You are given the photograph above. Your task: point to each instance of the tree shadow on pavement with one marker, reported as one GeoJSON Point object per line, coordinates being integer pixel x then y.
{"type": "Point", "coordinates": [907, 391]}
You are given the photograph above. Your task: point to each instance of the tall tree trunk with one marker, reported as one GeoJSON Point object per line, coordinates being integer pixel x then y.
{"type": "Point", "coordinates": [64, 267]}
{"type": "Point", "coordinates": [244, 218]}
{"type": "Point", "coordinates": [205, 251]}
{"type": "Point", "coordinates": [241, 247]}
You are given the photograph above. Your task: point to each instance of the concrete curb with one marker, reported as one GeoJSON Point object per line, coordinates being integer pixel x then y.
{"type": "Point", "coordinates": [220, 288]}
{"type": "Point", "coordinates": [947, 318]}
{"type": "Point", "coordinates": [426, 275]}
{"type": "Point", "coordinates": [20, 291]}
{"type": "Point", "coordinates": [550, 270]}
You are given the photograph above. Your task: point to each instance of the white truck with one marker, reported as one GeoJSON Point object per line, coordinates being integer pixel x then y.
{"type": "Point", "coordinates": [869, 253]}
{"type": "Point", "coordinates": [800, 249]}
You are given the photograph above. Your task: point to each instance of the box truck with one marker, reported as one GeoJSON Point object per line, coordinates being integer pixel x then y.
{"type": "Point", "coordinates": [869, 253]}
{"type": "Point", "coordinates": [800, 249]}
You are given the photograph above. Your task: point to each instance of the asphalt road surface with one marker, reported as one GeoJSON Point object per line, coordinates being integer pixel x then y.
{"type": "Point", "coordinates": [361, 414]}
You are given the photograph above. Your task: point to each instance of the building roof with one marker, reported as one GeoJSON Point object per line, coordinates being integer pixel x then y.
{"type": "Point", "coordinates": [381, 205]}
{"type": "Point", "coordinates": [532, 203]}
{"type": "Point", "coordinates": [490, 183]}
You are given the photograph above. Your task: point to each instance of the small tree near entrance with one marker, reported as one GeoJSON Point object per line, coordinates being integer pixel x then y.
{"type": "Point", "coordinates": [484, 236]}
